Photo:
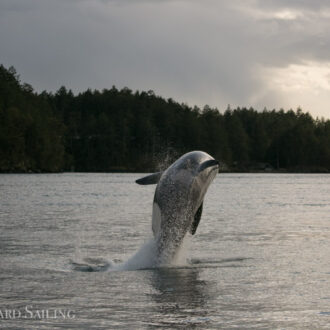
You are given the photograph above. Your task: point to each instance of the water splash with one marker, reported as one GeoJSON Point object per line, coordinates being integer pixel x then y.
{"type": "Point", "coordinates": [164, 158]}
{"type": "Point", "coordinates": [144, 258]}
{"type": "Point", "coordinates": [181, 256]}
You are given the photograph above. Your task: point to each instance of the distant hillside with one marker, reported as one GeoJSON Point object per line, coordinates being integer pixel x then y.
{"type": "Point", "coordinates": [121, 130]}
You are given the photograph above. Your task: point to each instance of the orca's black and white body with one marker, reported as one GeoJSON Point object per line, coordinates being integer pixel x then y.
{"type": "Point", "coordinates": [178, 200]}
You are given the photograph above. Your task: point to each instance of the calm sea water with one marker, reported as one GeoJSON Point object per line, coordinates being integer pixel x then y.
{"type": "Point", "coordinates": [260, 257]}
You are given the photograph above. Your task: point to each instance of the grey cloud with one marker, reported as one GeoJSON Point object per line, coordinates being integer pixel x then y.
{"type": "Point", "coordinates": [16, 6]}
{"type": "Point", "coordinates": [196, 52]}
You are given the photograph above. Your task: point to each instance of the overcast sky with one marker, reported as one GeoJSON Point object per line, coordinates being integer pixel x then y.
{"type": "Point", "coordinates": [267, 53]}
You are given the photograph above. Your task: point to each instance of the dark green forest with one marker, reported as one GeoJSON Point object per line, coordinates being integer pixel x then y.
{"type": "Point", "coordinates": [122, 130]}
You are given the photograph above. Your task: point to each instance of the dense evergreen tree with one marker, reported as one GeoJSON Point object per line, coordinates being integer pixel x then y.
{"type": "Point", "coordinates": [118, 130]}
{"type": "Point", "coordinates": [30, 135]}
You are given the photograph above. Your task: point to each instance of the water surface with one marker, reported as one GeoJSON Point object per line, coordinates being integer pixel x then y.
{"type": "Point", "coordinates": [259, 259]}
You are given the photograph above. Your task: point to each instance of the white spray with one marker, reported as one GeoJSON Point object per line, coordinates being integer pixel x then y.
{"type": "Point", "coordinates": [146, 257]}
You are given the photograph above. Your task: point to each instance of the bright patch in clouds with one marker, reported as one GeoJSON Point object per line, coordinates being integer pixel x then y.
{"type": "Point", "coordinates": [287, 15]}
{"type": "Point", "coordinates": [304, 85]}
{"type": "Point", "coordinates": [305, 78]}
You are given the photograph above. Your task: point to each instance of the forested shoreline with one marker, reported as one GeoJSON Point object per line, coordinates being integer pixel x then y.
{"type": "Point", "coordinates": [121, 130]}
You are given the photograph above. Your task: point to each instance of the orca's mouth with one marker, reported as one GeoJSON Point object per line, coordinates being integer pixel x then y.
{"type": "Point", "coordinates": [207, 164]}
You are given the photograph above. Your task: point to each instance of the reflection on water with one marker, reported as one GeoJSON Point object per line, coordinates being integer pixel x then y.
{"type": "Point", "coordinates": [181, 297]}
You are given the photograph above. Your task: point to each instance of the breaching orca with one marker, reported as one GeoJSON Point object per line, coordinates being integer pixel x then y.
{"type": "Point", "coordinates": [178, 200]}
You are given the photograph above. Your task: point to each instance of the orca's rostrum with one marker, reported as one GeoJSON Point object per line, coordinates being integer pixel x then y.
{"type": "Point", "coordinates": [178, 200]}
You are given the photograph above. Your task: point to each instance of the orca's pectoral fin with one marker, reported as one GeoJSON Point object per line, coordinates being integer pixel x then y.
{"type": "Point", "coordinates": [150, 179]}
{"type": "Point", "coordinates": [206, 164]}
{"type": "Point", "coordinates": [196, 220]}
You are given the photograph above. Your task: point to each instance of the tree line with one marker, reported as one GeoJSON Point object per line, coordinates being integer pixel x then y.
{"type": "Point", "coordinates": [122, 130]}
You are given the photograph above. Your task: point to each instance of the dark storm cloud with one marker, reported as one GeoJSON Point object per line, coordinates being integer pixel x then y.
{"type": "Point", "coordinates": [214, 52]}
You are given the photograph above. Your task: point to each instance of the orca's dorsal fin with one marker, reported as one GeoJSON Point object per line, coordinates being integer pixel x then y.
{"type": "Point", "coordinates": [150, 179]}
{"type": "Point", "coordinates": [206, 164]}
{"type": "Point", "coordinates": [196, 220]}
